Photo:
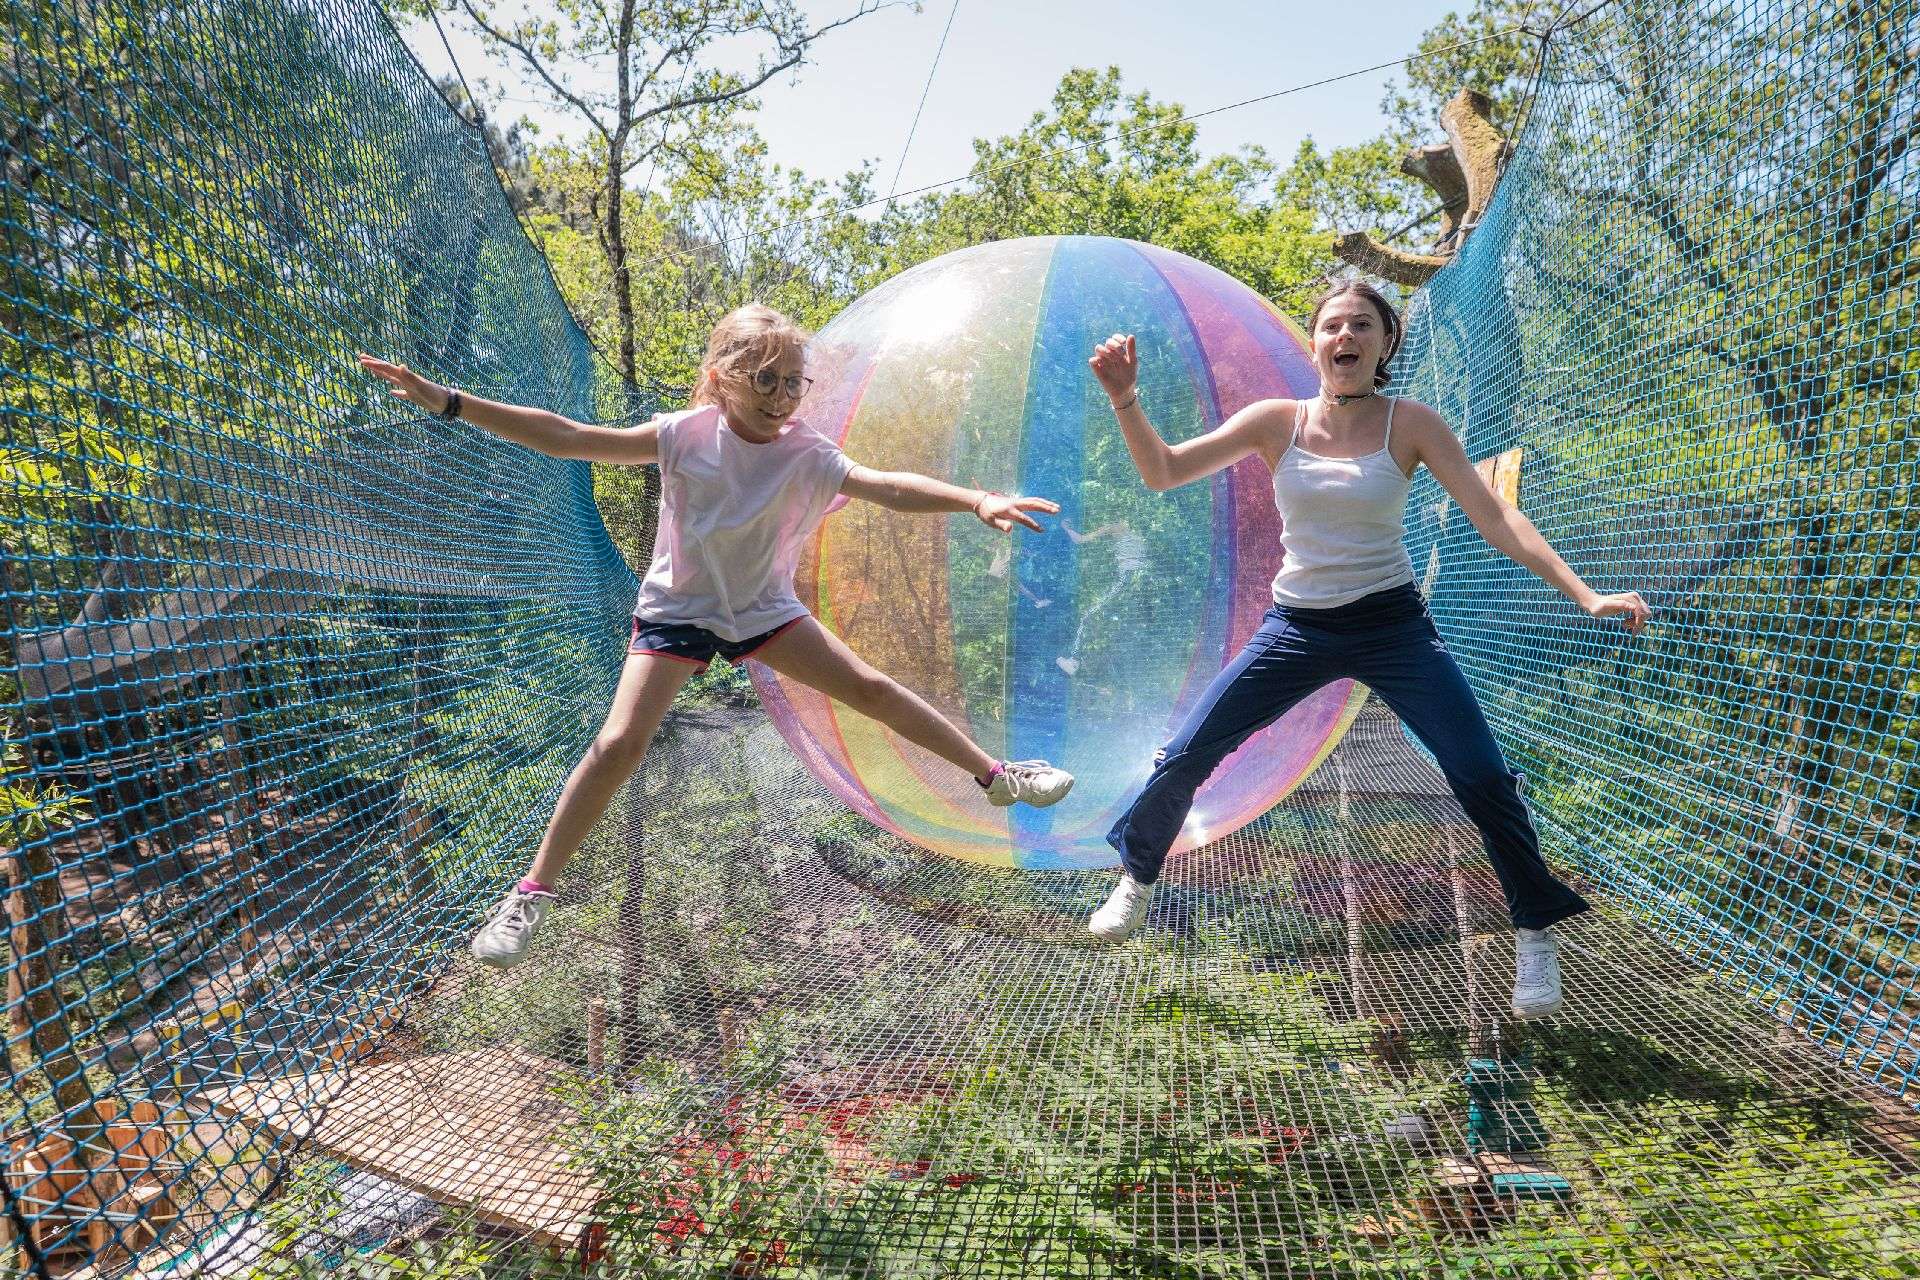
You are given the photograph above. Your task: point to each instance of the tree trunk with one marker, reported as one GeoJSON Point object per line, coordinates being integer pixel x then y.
{"type": "Point", "coordinates": [49, 1026]}
{"type": "Point", "coordinates": [1350, 900]}
{"type": "Point", "coordinates": [1436, 165]}
{"type": "Point", "coordinates": [28, 969]}
{"type": "Point", "coordinates": [1478, 146]}
{"type": "Point", "coordinates": [1479, 1025]}
{"type": "Point", "coordinates": [617, 259]}
{"type": "Point", "coordinates": [633, 924]}
{"type": "Point", "coordinates": [1463, 174]}
{"type": "Point", "coordinates": [616, 186]}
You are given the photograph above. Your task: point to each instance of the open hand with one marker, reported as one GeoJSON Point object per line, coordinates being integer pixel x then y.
{"type": "Point", "coordinates": [407, 384]}
{"type": "Point", "coordinates": [1116, 363]}
{"type": "Point", "coordinates": [1002, 512]}
{"type": "Point", "coordinates": [1626, 606]}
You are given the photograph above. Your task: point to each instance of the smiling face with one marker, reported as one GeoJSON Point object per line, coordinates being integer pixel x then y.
{"type": "Point", "coordinates": [1350, 338]}
{"type": "Point", "coordinates": [755, 370]}
{"type": "Point", "coordinates": [758, 401]}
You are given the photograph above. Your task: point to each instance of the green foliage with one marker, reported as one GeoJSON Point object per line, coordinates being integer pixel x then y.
{"type": "Point", "coordinates": [1100, 161]}
{"type": "Point", "coordinates": [724, 684]}
{"type": "Point", "coordinates": [31, 809]}
{"type": "Point", "coordinates": [693, 1187]}
{"type": "Point", "coordinates": [300, 1219]}
{"type": "Point", "coordinates": [1494, 46]}
{"type": "Point", "coordinates": [1071, 1151]}
{"type": "Point", "coordinates": [1357, 188]}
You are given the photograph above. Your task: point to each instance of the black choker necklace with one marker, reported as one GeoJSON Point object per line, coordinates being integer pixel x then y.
{"type": "Point", "coordinates": [1340, 399]}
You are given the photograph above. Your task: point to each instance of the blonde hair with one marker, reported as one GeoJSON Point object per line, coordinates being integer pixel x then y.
{"type": "Point", "coordinates": [746, 340]}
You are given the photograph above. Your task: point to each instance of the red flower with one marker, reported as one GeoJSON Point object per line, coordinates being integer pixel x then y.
{"type": "Point", "coordinates": [675, 1230]}
{"type": "Point", "coordinates": [759, 1262]}
{"type": "Point", "coordinates": [1282, 1140]}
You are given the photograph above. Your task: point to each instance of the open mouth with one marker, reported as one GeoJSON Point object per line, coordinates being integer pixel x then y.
{"type": "Point", "coordinates": [1346, 359]}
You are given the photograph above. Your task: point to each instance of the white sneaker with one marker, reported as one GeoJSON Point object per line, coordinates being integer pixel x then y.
{"type": "Point", "coordinates": [1536, 974]}
{"type": "Point", "coordinates": [503, 940]}
{"type": "Point", "coordinates": [1124, 911]}
{"type": "Point", "coordinates": [1033, 782]}
{"type": "Point", "coordinates": [1069, 665]}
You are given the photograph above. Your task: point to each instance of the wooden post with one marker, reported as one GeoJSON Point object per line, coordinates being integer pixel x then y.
{"type": "Point", "coordinates": [416, 829]}
{"type": "Point", "coordinates": [25, 969]}
{"type": "Point", "coordinates": [633, 923]}
{"type": "Point", "coordinates": [596, 1037]}
{"type": "Point", "coordinates": [49, 1020]}
{"type": "Point", "coordinates": [1479, 1027]}
{"type": "Point", "coordinates": [233, 762]}
{"type": "Point", "coordinates": [1350, 895]}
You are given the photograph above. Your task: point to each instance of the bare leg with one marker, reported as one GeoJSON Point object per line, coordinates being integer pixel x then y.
{"type": "Point", "coordinates": [809, 653]}
{"type": "Point", "coordinates": [648, 683]}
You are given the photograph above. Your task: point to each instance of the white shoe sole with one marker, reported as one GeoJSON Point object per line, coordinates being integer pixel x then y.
{"type": "Point", "coordinates": [1052, 800]}
{"type": "Point", "coordinates": [495, 962]}
{"type": "Point", "coordinates": [1528, 1013]}
{"type": "Point", "coordinates": [1115, 935]}
{"type": "Point", "coordinates": [1032, 802]}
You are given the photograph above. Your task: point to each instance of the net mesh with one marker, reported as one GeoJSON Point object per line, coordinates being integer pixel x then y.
{"type": "Point", "coordinates": [294, 678]}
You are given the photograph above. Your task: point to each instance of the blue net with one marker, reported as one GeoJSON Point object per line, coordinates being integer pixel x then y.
{"type": "Point", "coordinates": [291, 678]}
{"type": "Point", "coordinates": [1692, 310]}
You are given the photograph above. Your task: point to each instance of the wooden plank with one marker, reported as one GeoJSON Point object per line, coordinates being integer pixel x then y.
{"type": "Point", "coordinates": [476, 1129]}
{"type": "Point", "coordinates": [1502, 474]}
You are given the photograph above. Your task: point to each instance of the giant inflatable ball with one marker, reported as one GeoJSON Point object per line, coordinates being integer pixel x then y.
{"type": "Point", "coordinates": [1085, 645]}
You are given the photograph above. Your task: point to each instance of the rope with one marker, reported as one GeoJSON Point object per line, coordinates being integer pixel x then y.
{"type": "Point", "coordinates": [922, 105]}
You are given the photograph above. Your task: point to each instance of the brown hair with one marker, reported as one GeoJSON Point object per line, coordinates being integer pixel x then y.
{"type": "Point", "coordinates": [1388, 317]}
{"type": "Point", "coordinates": [746, 340]}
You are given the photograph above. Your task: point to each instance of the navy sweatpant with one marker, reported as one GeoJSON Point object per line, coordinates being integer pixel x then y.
{"type": "Point", "coordinates": [1387, 642]}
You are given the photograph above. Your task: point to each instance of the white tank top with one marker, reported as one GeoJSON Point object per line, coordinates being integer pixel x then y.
{"type": "Point", "coordinates": [1343, 523]}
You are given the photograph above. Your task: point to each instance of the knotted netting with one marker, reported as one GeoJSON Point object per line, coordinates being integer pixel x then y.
{"type": "Point", "coordinates": [294, 678]}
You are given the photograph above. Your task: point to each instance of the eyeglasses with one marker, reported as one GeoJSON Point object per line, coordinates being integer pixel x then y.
{"type": "Point", "coordinates": [766, 380]}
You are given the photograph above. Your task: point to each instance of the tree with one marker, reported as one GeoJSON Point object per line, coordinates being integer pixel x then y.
{"type": "Point", "coordinates": [1357, 188]}
{"type": "Point", "coordinates": [1494, 47]}
{"type": "Point", "coordinates": [1103, 162]}
{"type": "Point", "coordinates": [645, 80]}
{"type": "Point", "coordinates": [510, 148]}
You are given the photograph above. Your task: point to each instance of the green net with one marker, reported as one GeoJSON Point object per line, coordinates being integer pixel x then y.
{"type": "Point", "coordinates": [293, 677]}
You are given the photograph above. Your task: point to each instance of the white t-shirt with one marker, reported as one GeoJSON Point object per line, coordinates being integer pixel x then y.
{"type": "Point", "coordinates": [734, 516]}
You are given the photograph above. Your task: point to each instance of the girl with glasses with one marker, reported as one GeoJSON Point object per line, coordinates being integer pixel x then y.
{"type": "Point", "coordinates": [744, 484]}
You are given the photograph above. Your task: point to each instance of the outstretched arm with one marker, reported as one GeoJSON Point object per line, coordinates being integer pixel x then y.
{"type": "Point", "coordinates": [537, 429]}
{"type": "Point", "coordinates": [910, 491]}
{"type": "Point", "coordinates": [1116, 364]}
{"type": "Point", "coordinates": [1503, 525]}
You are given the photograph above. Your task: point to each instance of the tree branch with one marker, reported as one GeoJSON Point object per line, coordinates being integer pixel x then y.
{"type": "Point", "coordinates": [1436, 165]}
{"type": "Point", "coordinates": [793, 50]}
{"type": "Point", "coordinates": [1408, 269]}
{"type": "Point", "coordinates": [539, 68]}
{"type": "Point", "coordinates": [1478, 148]}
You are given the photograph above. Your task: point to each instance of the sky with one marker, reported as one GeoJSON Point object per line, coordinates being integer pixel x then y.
{"type": "Point", "coordinates": [1003, 59]}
